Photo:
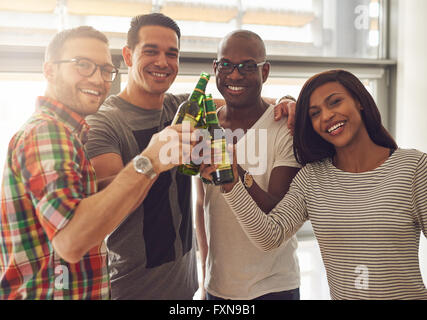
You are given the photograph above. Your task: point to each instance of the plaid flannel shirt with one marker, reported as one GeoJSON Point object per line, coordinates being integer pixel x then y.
{"type": "Point", "coordinates": [46, 175]}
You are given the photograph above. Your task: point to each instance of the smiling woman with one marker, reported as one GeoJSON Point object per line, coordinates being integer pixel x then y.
{"type": "Point", "coordinates": [335, 115]}
{"type": "Point", "coordinates": [364, 197]}
{"type": "Point", "coordinates": [320, 100]}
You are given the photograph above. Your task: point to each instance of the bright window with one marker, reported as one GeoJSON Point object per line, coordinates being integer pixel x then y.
{"type": "Point", "coordinates": [18, 94]}
{"type": "Point", "coordinates": [320, 28]}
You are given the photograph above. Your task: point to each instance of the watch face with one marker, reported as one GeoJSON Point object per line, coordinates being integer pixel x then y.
{"type": "Point", "coordinates": [141, 163]}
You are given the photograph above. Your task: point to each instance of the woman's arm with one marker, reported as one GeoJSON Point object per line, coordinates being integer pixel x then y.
{"type": "Point", "coordinates": [420, 194]}
{"type": "Point", "coordinates": [268, 231]}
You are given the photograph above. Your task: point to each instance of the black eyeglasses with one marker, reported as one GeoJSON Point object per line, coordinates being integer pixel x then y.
{"type": "Point", "coordinates": [225, 67]}
{"type": "Point", "coordinates": [86, 68]}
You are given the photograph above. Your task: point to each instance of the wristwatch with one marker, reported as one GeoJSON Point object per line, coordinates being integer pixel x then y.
{"type": "Point", "coordinates": [248, 180]}
{"type": "Point", "coordinates": [143, 165]}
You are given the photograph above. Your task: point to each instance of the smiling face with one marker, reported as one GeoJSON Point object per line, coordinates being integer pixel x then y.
{"type": "Point", "coordinates": [335, 115]}
{"type": "Point", "coordinates": [241, 90]}
{"type": "Point", "coordinates": [153, 64]}
{"type": "Point", "coordinates": [83, 95]}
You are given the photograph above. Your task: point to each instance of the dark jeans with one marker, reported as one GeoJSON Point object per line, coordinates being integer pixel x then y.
{"type": "Point", "coordinates": [283, 295]}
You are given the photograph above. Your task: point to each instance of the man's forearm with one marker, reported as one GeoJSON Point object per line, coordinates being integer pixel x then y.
{"type": "Point", "coordinates": [98, 215]}
{"type": "Point", "coordinates": [200, 226]}
{"type": "Point", "coordinates": [202, 243]}
{"type": "Point", "coordinates": [104, 182]}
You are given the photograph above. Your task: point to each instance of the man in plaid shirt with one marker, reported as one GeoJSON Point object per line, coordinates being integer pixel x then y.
{"type": "Point", "coordinates": [52, 222]}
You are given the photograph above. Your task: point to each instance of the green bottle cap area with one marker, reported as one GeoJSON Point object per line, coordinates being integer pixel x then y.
{"type": "Point", "coordinates": [202, 113]}
{"type": "Point", "coordinates": [211, 116]}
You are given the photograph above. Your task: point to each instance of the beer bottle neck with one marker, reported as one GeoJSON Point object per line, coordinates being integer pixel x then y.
{"type": "Point", "coordinates": [199, 91]}
{"type": "Point", "coordinates": [211, 115]}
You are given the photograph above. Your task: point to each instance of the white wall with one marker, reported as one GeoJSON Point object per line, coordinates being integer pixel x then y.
{"type": "Point", "coordinates": [411, 129]}
{"type": "Point", "coordinates": [411, 108]}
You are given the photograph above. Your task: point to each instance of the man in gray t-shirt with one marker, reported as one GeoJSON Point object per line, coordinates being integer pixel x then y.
{"type": "Point", "coordinates": [152, 252]}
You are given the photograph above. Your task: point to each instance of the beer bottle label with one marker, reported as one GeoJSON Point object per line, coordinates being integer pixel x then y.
{"type": "Point", "coordinates": [188, 117]}
{"type": "Point", "coordinates": [220, 154]}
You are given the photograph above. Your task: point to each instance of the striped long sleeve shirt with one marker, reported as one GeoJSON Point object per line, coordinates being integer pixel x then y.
{"type": "Point", "coordinates": [368, 225]}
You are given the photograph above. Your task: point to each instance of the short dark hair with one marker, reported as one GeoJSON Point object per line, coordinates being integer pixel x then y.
{"type": "Point", "coordinates": [152, 19]}
{"type": "Point", "coordinates": [308, 145]}
{"type": "Point", "coordinates": [53, 50]}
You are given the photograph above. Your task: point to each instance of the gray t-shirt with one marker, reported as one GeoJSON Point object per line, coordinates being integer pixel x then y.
{"type": "Point", "coordinates": [152, 252]}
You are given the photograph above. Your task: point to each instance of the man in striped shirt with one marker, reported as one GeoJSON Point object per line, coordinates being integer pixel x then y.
{"type": "Point", "coordinates": [52, 223]}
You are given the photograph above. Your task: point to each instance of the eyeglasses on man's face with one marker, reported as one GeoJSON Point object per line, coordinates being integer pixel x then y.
{"type": "Point", "coordinates": [87, 68]}
{"type": "Point", "coordinates": [226, 67]}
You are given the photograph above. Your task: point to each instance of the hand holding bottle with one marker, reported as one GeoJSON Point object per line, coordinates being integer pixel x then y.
{"type": "Point", "coordinates": [170, 147]}
{"type": "Point", "coordinates": [208, 169]}
{"type": "Point", "coordinates": [192, 111]}
{"type": "Point", "coordinates": [224, 172]}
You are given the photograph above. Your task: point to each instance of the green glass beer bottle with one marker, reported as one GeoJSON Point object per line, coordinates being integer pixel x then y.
{"type": "Point", "coordinates": [193, 111]}
{"type": "Point", "coordinates": [224, 172]}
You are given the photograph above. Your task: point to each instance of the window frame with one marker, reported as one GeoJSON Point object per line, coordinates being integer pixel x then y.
{"type": "Point", "coordinates": [24, 59]}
